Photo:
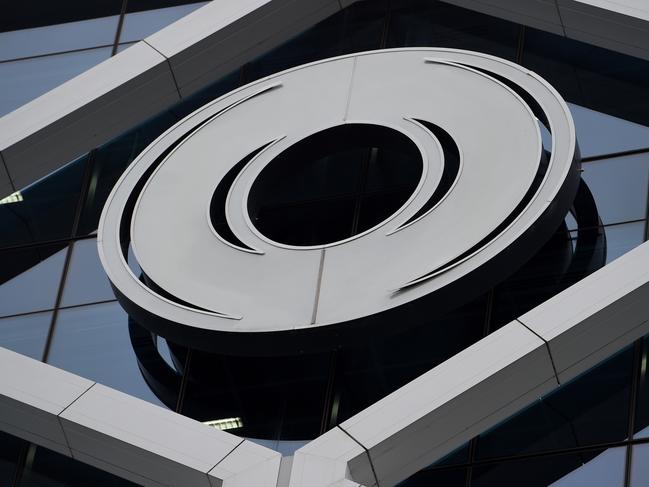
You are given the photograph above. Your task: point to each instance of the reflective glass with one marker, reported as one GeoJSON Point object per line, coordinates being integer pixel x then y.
{"type": "Point", "coordinates": [601, 468]}
{"type": "Point", "coordinates": [589, 76]}
{"type": "Point", "coordinates": [45, 210]}
{"type": "Point", "coordinates": [94, 342]}
{"type": "Point", "coordinates": [642, 404]}
{"type": "Point", "coordinates": [425, 23]}
{"type": "Point", "coordinates": [10, 449]}
{"type": "Point", "coordinates": [22, 15]}
{"type": "Point", "coordinates": [600, 134]}
{"type": "Point", "coordinates": [591, 409]}
{"type": "Point", "coordinates": [622, 238]}
{"type": "Point", "coordinates": [619, 186]}
{"type": "Point", "coordinates": [46, 468]}
{"type": "Point", "coordinates": [455, 477]}
{"type": "Point", "coordinates": [86, 281]}
{"type": "Point", "coordinates": [274, 398]}
{"type": "Point", "coordinates": [22, 81]}
{"type": "Point", "coordinates": [30, 278]}
{"type": "Point", "coordinates": [139, 25]}
{"type": "Point", "coordinates": [26, 334]}
{"type": "Point", "coordinates": [640, 466]}
{"type": "Point", "coordinates": [57, 38]}
{"type": "Point", "coordinates": [370, 371]}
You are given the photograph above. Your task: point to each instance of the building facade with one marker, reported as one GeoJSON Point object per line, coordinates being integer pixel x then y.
{"type": "Point", "coordinates": [57, 306]}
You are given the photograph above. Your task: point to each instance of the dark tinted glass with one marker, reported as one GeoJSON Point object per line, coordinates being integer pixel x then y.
{"type": "Point", "coordinates": [10, 450]}
{"type": "Point", "coordinates": [426, 23]}
{"type": "Point", "coordinates": [365, 374]}
{"type": "Point", "coordinates": [35, 13]}
{"type": "Point", "coordinates": [600, 468]}
{"type": "Point", "coordinates": [26, 334]}
{"type": "Point", "coordinates": [86, 280]}
{"type": "Point", "coordinates": [448, 478]}
{"type": "Point", "coordinates": [46, 210]}
{"type": "Point", "coordinates": [94, 342]}
{"type": "Point", "coordinates": [641, 425]}
{"type": "Point", "coordinates": [45, 468]}
{"type": "Point", "coordinates": [590, 76]}
{"type": "Point", "coordinates": [30, 278]}
{"type": "Point", "coordinates": [592, 409]}
{"type": "Point", "coordinates": [273, 397]}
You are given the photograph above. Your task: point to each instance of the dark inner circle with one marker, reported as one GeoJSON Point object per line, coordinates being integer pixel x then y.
{"type": "Point", "coordinates": [334, 184]}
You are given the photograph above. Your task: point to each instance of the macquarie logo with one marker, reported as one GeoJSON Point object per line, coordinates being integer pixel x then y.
{"type": "Point", "coordinates": [347, 197]}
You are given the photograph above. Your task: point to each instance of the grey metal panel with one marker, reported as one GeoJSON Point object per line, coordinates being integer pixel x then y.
{"type": "Point", "coordinates": [450, 404]}
{"type": "Point", "coordinates": [32, 395]}
{"type": "Point", "coordinates": [127, 433]}
{"type": "Point", "coordinates": [85, 112]}
{"type": "Point", "coordinates": [597, 316]}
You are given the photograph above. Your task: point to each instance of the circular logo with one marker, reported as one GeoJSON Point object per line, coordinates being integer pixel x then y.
{"type": "Point", "coordinates": [349, 196]}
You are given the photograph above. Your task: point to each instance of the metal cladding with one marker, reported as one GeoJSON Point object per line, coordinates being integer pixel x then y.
{"type": "Point", "coordinates": [488, 197]}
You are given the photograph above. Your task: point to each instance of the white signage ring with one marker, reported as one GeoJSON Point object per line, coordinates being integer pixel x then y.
{"type": "Point", "coordinates": [488, 196]}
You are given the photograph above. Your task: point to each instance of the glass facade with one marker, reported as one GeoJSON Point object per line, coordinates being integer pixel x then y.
{"type": "Point", "coordinates": [56, 304]}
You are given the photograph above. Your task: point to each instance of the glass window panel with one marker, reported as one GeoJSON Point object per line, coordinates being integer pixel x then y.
{"type": "Point", "coordinates": [139, 25]}
{"type": "Point", "coordinates": [46, 468]}
{"type": "Point", "coordinates": [45, 210]}
{"type": "Point", "coordinates": [22, 15]}
{"type": "Point", "coordinates": [86, 281]}
{"type": "Point", "coordinates": [622, 238]}
{"type": "Point", "coordinates": [30, 279]}
{"type": "Point", "coordinates": [274, 397]}
{"type": "Point", "coordinates": [140, 5]}
{"type": "Point", "coordinates": [10, 449]}
{"type": "Point", "coordinates": [425, 23]}
{"type": "Point", "coordinates": [619, 187]}
{"type": "Point", "coordinates": [642, 404]}
{"type": "Point", "coordinates": [26, 334]}
{"type": "Point", "coordinates": [57, 38]}
{"type": "Point", "coordinates": [592, 409]}
{"type": "Point", "coordinates": [601, 134]}
{"type": "Point", "coordinates": [455, 477]}
{"type": "Point", "coordinates": [22, 81]}
{"type": "Point", "coordinates": [369, 372]}
{"type": "Point", "coordinates": [94, 342]}
{"type": "Point", "coordinates": [640, 466]}
{"type": "Point", "coordinates": [591, 77]}
{"type": "Point", "coordinates": [602, 468]}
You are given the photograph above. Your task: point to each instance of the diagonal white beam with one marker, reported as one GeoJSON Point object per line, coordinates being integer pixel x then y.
{"type": "Point", "coordinates": [121, 434]}
{"type": "Point", "coordinates": [484, 384]}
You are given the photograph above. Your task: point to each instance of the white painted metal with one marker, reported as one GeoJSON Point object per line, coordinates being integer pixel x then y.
{"type": "Point", "coordinates": [278, 287]}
